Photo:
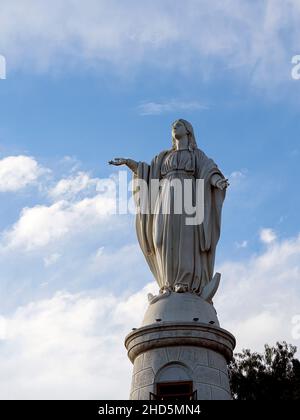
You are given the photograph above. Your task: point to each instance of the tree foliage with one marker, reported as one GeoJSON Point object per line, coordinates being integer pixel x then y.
{"type": "Point", "coordinates": [273, 375]}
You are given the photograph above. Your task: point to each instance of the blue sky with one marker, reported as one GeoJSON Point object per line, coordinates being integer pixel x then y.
{"type": "Point", "coordinates": [86, 83]}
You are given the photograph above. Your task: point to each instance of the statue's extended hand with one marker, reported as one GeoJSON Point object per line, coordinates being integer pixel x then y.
{"type": "Point", "coordinates": [132, 164]}
{"type": "Point", "coordinates": [222, 184]}
{"type": "Point", "coordinates": [118, 161]}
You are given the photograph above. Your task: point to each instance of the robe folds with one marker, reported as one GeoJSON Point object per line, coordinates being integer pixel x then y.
{"type": "Point", "coordinates": [178, 253]}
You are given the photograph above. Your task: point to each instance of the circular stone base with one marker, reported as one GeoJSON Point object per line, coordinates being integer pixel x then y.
{"type": "Point", "coordinates": [181, 307]}
{"type": "Point", "coordinates": [175, 351]}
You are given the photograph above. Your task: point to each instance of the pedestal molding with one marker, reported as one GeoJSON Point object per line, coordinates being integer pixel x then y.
{"type": "Point", "coordinates": [168, 334]}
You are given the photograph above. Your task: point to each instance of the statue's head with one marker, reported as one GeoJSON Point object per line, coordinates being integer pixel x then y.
{"type": "Point", "coordinates": [180, 129]}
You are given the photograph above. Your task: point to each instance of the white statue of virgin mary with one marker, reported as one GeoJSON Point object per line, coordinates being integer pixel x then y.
{"type": "Point", "coordinates": [181, 256]}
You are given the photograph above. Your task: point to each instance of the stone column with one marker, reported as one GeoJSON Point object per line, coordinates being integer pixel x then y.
{"type": "Point", "coordinates": [180, 340]}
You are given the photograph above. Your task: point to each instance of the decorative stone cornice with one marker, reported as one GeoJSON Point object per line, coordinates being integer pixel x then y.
{"type": "Point", "coordinates": [165, 334]}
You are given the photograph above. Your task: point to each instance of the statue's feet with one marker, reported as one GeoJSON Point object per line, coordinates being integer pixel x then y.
{"type": "Point", "coordinates": [163, 292]}
{"type": "Point", "coordinates": [180, 288]}
{"type": "Point", "coordinates": [165, 288]}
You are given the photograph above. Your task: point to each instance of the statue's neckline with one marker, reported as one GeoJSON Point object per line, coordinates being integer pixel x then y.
{"type": "Point", "coordinates": [179, 150]}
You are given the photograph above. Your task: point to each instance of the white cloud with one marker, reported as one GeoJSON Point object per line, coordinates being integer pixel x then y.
{"type": "Point", "coordinates": [157, 108]}
{"type": "Point", "coordinates": [71, 187]}
{"type": "Point", "coordinates": [40, 225]}
{"type": "Point", "coordinates": [51, 259]}
{"type": "Point", "coordinates": [244, 36]}
{"type": "Point", "coordinates": [258, 329]}
{"type": "Point", "coordinates": [79, 203]}
{"type": "Point", "coordinates": [70, 346]}
{"type": "Point", "coordinates": [17, 172]}
{"type": "Point", "coordinates": [267, 235]}
{"type": "Point", "coordinates": [3, 328]}
{"type": "Point", "coordinates": [71, 163]}
{"type": "Point", "coordinates": [242, 244]}
{"type": "Point", "coordinates": [2, 67]}
{"type": "Point", "coordinates": [259, 297]}
{"type": "Point", "coordinates": [237, 175]}
{"type": "Point", "coordinates": [237, 179]}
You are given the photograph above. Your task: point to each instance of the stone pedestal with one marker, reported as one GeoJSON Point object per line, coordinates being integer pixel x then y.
{"type": "Point", "coordinates": [180, 340]}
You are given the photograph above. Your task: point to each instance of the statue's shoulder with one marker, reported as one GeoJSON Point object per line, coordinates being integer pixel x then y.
{"type": "Point", "coordinates": [157, 158]}
{"type": "Point", "coordinates": [199, 153]}
{"type": "Point", "coordinates": [163, 152]}
{"type": "Point", "coordinates": [205, 163]}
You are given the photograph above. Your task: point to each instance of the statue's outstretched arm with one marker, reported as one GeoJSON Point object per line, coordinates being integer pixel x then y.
{"type": "Point", "coordinates": [130, 163]}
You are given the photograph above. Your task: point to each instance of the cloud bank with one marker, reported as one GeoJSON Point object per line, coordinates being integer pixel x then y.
{"type": "Point", "coordinates": [243, 37]}
{"type": "Point", "coordinates": [18, 172]}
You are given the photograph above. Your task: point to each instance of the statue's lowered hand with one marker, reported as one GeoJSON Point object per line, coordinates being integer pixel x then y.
{"type": "Point", "coordinates": [222, 184]}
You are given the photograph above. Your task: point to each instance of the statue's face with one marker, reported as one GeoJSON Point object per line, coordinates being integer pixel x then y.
{"type": "Point", "coordinates": [178, 130]}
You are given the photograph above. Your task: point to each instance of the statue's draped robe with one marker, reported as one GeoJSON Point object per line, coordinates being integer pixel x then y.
{"type": "Point", "coordinates": [178, 253]}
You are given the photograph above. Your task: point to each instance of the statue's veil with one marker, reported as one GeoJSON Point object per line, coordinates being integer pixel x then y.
{"type": "Point", "coordinates": [191, 135]}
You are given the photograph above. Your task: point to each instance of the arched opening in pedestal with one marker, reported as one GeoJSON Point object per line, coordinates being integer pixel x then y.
{"type": "Point", "coordinates": [174, 382]}
{"type": "Point", "coordinates": [174, 391]}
